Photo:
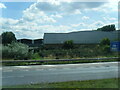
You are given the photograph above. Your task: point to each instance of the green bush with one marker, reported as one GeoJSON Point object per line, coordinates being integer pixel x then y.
{"type": "Point", "coordinates": [105, 41]}
{"type": "Point", "coordinates": [15, 51]}
{"type": "Point", "coordinates": [68, 44]}
{"type": "Point", "coordinates": [83, 51]}
{"type": "Point", "coordinates": [35, 56]}
{"type": "Point", "coordinates": [106, 49]}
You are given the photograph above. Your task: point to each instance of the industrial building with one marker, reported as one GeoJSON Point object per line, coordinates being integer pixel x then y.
{"type": "Point", "coordinates": [80, 37]}
{"type": "Point", "coordinates": [31, 43]}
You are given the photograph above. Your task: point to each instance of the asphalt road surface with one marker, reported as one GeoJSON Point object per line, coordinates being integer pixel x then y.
{"type": "Point", "coordinates": [18, 75]}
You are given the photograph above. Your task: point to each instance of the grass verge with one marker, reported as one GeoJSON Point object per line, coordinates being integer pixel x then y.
{"type": "Point", "coordinates": [56, 62]}
{"type": "Point", "coordinates": [100, 83]}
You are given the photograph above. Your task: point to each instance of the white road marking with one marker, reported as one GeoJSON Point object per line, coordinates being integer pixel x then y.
{"type": "Point", "coordinates": [22, 66]}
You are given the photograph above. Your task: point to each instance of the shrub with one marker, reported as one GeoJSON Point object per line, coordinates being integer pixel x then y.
{"type": "Point", "coordinates": [105, 41]}
{"type": "Point", "coordinates": [68, 44]}
{"type": "Point", "coordinates": [15, 51]}
{"type": "Point", "coordinates": [106, 49]}
{"type": "Point", "coordinates": [35, 56]}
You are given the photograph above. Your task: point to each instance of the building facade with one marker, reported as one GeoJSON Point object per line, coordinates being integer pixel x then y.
{"type": "Point", "coordinates": [31, 43]}
{"type": "Point", "coordinates": [81, 37]}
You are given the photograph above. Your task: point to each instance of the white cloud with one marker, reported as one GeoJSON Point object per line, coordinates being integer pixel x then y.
{"type": "Point", "coordinates": [88, 26]}
{"type": "Point", "coordinates": [39, 19]}
{"type": "Point", "coordinates": [8, 21]}
{"type": "Point", "coordinates": [110, 19]}
{"type": "Point", "coordinates": [27, 29]}
{"type": "Point", "coordinates": [57, 16]}
{"type": "Point", "coordinates": [113, 19]}
{"type": "Point", "coordinates": [66, 7]}
{"type": "Point", "coordinates": [2, 5]}
{"type": "Point", "coordinates": [85, 18]}
{"type": "Point", "coordinates": [77, 12]}
{"type": "Point", "coordinates": [109, 7]}
{"type": "Point", "coordinates": [96, 25]}
{"type": "Point", "coordinates": [35, 15]}
{"type": "Point", "coordinates": [78, 25]}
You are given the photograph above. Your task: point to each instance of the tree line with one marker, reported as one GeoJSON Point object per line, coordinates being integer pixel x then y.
{"type": "Point", "coordinates": [107, 28]}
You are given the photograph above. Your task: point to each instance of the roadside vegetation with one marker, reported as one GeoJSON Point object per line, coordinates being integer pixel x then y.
{"type": "Point", "coordinates": [18, 51]}
{"type": "Point", "coordinates": [102, 83]}
{"type": "Point", "coordinates": [56, 62]}
{"type": "Point", "coordinates": [13, 50]}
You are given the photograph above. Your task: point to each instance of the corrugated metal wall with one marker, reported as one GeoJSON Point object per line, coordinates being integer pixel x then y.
{"type": "Point", "coordinates": [81, 37]}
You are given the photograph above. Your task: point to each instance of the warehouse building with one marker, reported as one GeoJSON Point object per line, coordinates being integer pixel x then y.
{"type": "Point", "coordinates": [31, 43]}
{"type": "Point", "coordinates": [80, 37]}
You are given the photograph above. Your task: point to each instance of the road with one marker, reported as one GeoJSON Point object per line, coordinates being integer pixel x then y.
{"type": "Point", "coordinates": [18, 75]}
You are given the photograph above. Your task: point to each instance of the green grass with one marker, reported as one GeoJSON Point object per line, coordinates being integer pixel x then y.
{"type": "Point", "coordinates": [101, 83]}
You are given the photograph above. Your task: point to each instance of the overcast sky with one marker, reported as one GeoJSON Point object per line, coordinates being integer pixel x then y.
{"type": "Point", "coordinates": [33, 19]}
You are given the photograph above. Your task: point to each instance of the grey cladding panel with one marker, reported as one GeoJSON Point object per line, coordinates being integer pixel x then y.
{"type": "Point", "coordinates": [55, 38]}
{"type": "Point", "coordinates": [79, 37]}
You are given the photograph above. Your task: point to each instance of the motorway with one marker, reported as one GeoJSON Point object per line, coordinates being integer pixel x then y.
{"type": "Point", "coordinates": [19, 75]}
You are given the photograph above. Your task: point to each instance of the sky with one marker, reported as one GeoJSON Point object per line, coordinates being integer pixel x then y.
{"type": "Point", "coordinates": [32, 19]}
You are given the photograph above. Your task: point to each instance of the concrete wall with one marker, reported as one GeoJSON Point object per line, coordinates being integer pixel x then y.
{"type": "Point", "coordinates": [81, 37]}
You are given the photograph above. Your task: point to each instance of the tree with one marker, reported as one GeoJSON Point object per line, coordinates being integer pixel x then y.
{"type": "Point", "coordinates": [105, 41]}
{"type": "Point", "coordinates": [8, 38]}
{"type": "Point", "coordinates": [68, 44]}
{"type": "Point", "coordinates": [107, 28]}
{"type": "Point", "coordinates": [105, 45]}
